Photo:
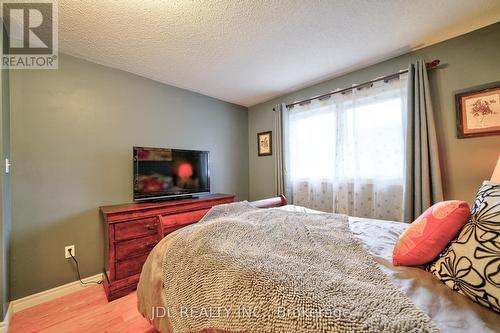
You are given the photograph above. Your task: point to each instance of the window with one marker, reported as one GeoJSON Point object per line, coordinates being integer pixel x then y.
{"type": "Point", "coordinates": [313, 146]}
{"type": "Point", "coordinates": [350, 147]}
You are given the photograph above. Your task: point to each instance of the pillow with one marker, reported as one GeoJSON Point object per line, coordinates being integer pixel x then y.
{"type": "Point", "coordinates": [430, 233]}
{"type": "Point", "coordinates": [471, 264]}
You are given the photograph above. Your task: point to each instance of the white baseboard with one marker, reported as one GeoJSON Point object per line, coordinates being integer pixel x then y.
{"type": "Point", "coordinates": [48, 295]}
{"type": "Point", "coordinates": [4, 325]}
{"type": "Point", "coordinates": [44, 296]}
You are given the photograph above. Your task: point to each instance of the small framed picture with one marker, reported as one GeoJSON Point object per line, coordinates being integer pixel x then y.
{"type": "Point", "coordinates": [478, 111]}
{"type": "Point", "coordinates": [265, 143]}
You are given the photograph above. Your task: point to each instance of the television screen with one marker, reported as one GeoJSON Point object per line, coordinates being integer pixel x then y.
{"type": "Point", "coordinates": [164, 172]}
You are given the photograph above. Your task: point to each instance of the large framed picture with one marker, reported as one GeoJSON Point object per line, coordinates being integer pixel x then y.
{"type": "Point", "coordinates": [265, 143]}
{"type": "Point", "coordinates": [478, 111]}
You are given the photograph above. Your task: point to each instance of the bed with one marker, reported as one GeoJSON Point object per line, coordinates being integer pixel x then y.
{"type": "Point", "coordinates": [447, 310]}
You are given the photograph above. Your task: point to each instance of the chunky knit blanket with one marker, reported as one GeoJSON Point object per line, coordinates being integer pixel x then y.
{"type": "Point", "coordinates": [244, 269]}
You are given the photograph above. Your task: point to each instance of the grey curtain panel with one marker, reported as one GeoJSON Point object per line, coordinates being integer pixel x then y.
{"type": "Point", "coordinates": [282, 185]}
{"type": "Point", "coordinates": [423, 185]}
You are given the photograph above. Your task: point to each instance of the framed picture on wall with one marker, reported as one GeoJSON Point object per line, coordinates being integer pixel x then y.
{"type": "Point", "coordinates": [478, 111]}
{"type": "Point", "coordinates": [265, 143]}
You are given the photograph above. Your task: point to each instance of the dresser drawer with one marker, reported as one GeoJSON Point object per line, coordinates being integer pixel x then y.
{"type": "Point", "coordinates": [134, 247]}
{"type": "Point", "coordinates": [183, 218]}
{"type": "Point", "coordinates": [133, 230]}
{"type": "Point", "coordinates": [129, 267]}
{"type": "Point", "coordinates": [136, 228]}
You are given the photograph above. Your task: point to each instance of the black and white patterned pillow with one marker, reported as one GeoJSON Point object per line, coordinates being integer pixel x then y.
{"type": "Point", "coordinates": [471, 264]}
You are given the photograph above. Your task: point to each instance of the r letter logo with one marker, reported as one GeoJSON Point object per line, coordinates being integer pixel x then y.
{"type": "Point", "coordinates": [30, 39]}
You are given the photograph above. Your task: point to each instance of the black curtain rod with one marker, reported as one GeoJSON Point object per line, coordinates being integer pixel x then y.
{"type": "Point", "coordinates": [429, 65]}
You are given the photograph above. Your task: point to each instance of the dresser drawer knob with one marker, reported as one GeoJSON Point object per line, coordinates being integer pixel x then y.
{"type": "Point", "coordinates": [151, 226]}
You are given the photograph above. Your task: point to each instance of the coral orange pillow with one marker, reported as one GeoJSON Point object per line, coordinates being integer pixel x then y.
{"type": "Point", "coordinates": [430, 233]}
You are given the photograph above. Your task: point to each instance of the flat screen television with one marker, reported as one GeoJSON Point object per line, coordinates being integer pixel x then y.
{"type": "Point", "coordinates": [163, 173]}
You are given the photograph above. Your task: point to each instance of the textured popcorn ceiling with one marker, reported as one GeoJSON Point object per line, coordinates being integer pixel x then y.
{"type": "Point", "coordinates": [247, 52]}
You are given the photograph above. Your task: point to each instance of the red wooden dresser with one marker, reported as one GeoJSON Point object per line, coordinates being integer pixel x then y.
{"type": "Point", "coordinates": [134, 229]}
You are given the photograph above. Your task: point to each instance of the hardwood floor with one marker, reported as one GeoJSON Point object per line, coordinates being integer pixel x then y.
{"type": "Point", "coordinates": [85, 311]}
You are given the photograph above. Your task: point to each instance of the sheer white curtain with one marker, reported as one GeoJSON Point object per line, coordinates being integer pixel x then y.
{"type": "Point", "coordinates": [347, 152]}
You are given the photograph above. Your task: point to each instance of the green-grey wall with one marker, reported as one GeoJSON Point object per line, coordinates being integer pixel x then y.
{"type": "Point", "coordinates": [72, 135]}
{"type": "Point", "coordinates": [5, 203]}
{"type": "Point", "coordinates": [467, 61]}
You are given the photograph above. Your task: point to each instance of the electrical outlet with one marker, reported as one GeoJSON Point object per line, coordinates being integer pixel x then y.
{"type": "Point", "coordinates": [66, 251]}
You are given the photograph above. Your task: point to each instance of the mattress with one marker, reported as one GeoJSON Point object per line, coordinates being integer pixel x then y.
{"type": "Point", "coordinates": [451, 311]}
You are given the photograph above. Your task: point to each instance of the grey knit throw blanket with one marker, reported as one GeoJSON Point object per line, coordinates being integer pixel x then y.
{"type": "Point", "coordinates": [244, 269]}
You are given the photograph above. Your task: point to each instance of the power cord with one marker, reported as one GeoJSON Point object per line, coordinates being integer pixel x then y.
{"type": "Point", "coordinates": [78, 270]}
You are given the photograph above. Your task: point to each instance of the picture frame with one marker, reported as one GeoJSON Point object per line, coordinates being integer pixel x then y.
{"type": "Point", "coordinates": [265, 143]}
{"type": "Point", "coordinates": [478, 111]}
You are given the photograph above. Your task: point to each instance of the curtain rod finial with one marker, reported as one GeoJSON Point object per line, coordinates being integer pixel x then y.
{"type": "Point", "coordinates": [432, 64]}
